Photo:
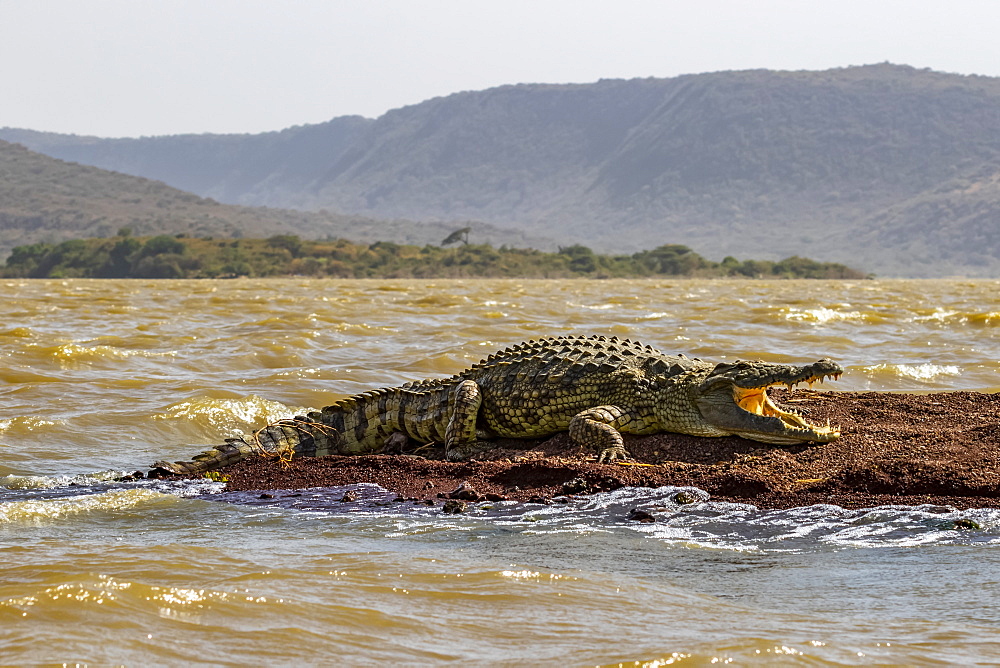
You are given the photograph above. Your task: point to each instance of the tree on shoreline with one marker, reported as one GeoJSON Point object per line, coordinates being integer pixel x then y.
{"type": "Point", "coordinates": [456, 236]}
{"type": "Point", "coordinates": [179, 256]}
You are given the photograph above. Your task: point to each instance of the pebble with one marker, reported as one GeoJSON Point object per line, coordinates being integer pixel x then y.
{"type": "Point", "coordinates": [454, 506]}
{"type": "Point", "coordinates": [639, 515]}
{"type": "Point", "coordinates": [575, 486]}
{"type": "Point", "coordinates": [684, 499]}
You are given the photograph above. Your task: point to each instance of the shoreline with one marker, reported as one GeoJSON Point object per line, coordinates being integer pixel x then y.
{"type": "Point", "coordinates": [897, 449]}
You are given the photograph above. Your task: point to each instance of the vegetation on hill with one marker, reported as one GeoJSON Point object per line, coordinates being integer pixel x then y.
{"type": "Point", "coordinates": [166, 256]}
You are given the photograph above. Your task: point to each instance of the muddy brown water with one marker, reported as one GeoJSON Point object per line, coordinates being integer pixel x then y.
{"type": "Point", "coordinates": [104, 377]}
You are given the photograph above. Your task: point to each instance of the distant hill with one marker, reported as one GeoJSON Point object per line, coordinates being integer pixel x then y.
{"type": "Point", "coordinates": [45, 199]}
{"type": "Point", "coordinates": [886, 168]}
{"type": "Point", "coordinates": [267, 169]}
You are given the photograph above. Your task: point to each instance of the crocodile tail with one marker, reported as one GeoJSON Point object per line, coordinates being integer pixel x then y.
{"type": "Point", "coordinates": [356, 425]}
{"type": "Point", "coordinates": [361, 422]}
{"type": "Point", "coordinates": [230, 452]}
{"type": "Point", "coordinates": [285, 438]}
{"type": "Point", "coordinates": [364, 422]}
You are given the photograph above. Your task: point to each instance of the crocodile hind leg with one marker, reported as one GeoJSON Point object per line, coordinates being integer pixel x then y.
{"type": "Point", "coordinates": [599, 427]}
{"type": "Point", "coordinates": [463, 411]}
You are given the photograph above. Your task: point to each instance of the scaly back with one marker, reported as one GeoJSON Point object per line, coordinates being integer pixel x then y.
{"type": "Point", "coordinates": [577, 355]}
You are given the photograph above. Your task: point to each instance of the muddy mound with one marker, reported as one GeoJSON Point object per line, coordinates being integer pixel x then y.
{"type": "Point", "coordinates": [896, 449]}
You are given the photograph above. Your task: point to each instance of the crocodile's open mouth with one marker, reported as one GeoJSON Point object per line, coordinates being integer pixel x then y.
{"type": "Point", "coordinates": [755, 400]}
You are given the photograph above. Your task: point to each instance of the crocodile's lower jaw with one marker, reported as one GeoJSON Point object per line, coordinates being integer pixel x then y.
{"type": "Point", "coordinates": [796, 429]}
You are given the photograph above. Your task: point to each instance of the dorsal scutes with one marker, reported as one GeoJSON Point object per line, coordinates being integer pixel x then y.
{"type": "Point", "coordinates": [569, 352]}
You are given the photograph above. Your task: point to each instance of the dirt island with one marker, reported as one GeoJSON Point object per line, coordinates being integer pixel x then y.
{"type": "Point", "coordinates": [896, 449]}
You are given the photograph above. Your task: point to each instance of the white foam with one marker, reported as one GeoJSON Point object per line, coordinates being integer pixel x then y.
{"type": "Point", "coordinates": [36, 511]}
{"type": "Point", "coordinates": [822, 315]}
{"type": "Point", "coordinates": [925, 371]}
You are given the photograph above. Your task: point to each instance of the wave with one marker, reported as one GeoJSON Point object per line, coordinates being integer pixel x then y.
{"type": "Point", "coordinates": [35, 482]}
{"type": "Point", "coordinates": [747, 528]}
{"type": "Point", "coordinates": [177, 604]}
{"type": "Point", "coordinates": [36, 499]}
{"type": "Point", "coordinates": [23, 425]}
{"type": "Point", "coordinates": [74, 352]}
{"type": "Point", "coordinates": [984, 319]}
{"type": "Point", "coordinates": [229, 415]}
{"type": "Point", "coordinates": [938, 316]}
{"type": "Point", "coordinates": [823, 315]}
{"type": "Point", "coordinates": [949, 318]}
{"type": "Point", "coordinates": [919, 372]}
{"type": "Point", "coordinates": [685, 516]}
{"type": "Point", "coordinates": [36, 511]}
{"type": "Point", "coordinates": [17, 333]}
{"type": "Point", "coordinates": [592, 307]}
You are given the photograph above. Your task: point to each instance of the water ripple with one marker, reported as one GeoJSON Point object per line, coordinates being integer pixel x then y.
{"type": "Point", "coordinates": [670, 517]}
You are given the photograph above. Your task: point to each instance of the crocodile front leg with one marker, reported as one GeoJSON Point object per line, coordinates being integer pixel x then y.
{"type": "Point", "coordinates": [599, 427]}
{"type": "Point", "coordinates": [463, 411]}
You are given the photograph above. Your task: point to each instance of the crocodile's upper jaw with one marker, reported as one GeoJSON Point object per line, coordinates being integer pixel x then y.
{"type": "Point", "coordinates": [732, 403]}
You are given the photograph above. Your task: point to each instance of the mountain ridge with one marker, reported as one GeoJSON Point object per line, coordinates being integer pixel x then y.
{"type": "Point", "coordinates": [885, 167]}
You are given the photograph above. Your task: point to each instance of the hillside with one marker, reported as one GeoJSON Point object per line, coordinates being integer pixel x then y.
{"type": "Point", "coordinates": [257, 170]}
{"type": "Point", "coordinates": [886, 168]}
{"type": "Point", "coordinates": [44, 199]}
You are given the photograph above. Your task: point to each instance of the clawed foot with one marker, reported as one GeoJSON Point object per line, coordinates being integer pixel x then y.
{"type": "Point", "coordinates": [613, 454]}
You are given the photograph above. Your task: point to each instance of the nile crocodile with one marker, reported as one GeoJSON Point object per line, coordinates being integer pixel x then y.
{"type": "Point", "coordinates": [596, 388]}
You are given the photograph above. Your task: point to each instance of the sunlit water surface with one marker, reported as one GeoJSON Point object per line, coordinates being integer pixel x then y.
{"type": "Point", "coordinates": [103, 377]}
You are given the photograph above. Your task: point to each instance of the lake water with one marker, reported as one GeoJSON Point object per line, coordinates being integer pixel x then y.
{"type": "Point", "coordinates": [98, 378]}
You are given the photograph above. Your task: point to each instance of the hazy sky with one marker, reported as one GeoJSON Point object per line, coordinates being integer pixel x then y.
{"type": "Point", "coordinates": [148, 67]}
